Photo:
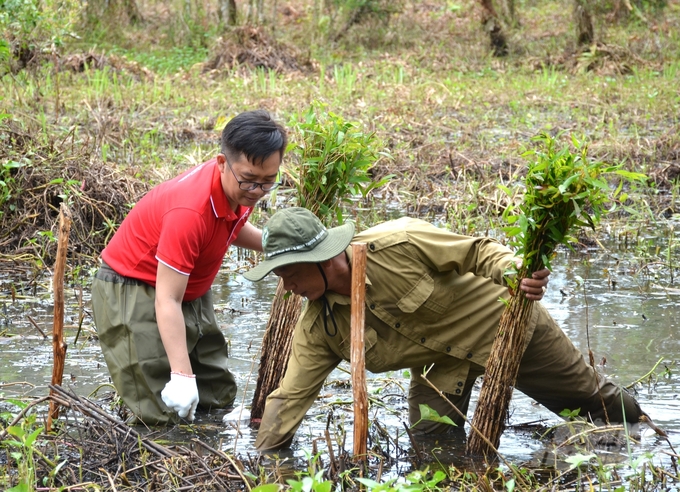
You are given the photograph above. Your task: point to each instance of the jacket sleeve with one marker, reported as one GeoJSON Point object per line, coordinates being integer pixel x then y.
{"type": "Point", "coordinates": [311, 361]}
{"type": "Point", "coordinates": [446, 251]}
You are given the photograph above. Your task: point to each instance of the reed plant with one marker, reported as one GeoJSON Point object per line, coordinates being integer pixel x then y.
{"type": "Point", "coordinates": [331, 163]}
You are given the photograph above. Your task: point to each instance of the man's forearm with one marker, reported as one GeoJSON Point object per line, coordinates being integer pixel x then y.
{"type": "Point", "coordinates": [281, 419]}
{"type": "Point", "coordinates": [170, 288]}
{"type": "Point", "coordinates": [249, 237]}
{"type": "Point", "coordinates": [173, 335]}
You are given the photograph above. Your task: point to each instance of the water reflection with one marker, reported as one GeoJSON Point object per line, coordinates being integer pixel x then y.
{"type": "Point", "coordinates": [629, 322]}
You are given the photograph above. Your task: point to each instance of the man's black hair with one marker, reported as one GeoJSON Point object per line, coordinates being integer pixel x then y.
{"type": "Point", "coordinates": [255, 135]}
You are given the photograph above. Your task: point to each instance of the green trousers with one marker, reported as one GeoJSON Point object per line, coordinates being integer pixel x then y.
{"type": "Point", "coordinates": [552, 371]}
{"type": "Point", "coordinates": [125, 317]}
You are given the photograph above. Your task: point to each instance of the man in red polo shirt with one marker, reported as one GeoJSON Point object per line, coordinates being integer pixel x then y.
{"type": "Point", "coordinates": [151, 298]}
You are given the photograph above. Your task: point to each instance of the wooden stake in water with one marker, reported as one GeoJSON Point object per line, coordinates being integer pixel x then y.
{"type": "Point", "coordinates": [357, 354]}
{"type": "Point", "coordinates": [58, 344]}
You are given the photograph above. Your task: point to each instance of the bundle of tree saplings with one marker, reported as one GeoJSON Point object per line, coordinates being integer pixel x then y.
{"type": "Point", "coordinates": [564, 190]}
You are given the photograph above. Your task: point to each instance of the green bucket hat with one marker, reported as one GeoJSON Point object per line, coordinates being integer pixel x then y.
{"type": "Point", "coordinates": [296, 235]}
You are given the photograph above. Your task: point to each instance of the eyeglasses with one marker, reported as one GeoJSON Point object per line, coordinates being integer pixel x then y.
{"type": "Point", "coordinates": [252, 185]}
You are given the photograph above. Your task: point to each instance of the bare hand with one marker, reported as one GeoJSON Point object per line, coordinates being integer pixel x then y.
{"type": "Point", "coordinates": [534, 288]}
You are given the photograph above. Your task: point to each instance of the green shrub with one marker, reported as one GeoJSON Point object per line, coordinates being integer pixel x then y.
{"type": "Point", "coordinates": [564, 190]}
{"type": "Point", "coordinates": [29, 28]}
{"type": "Point", "coordinates": [332, 161]}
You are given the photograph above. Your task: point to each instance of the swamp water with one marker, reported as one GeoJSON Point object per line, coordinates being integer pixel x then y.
{"type": "Point", "coordinates": [624, 314]}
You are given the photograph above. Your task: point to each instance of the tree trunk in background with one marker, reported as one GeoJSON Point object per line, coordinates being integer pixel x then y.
{"type": "Point", "coordinates": [132, 11]}
{"type": "Point", "coordinates": [275, 15]}
{"type": "Point", "coordinates": [255, 12]}
{"type": "Point", "coordinates": [584, 23]}
{"type": "Point", "coordinates": [227, 12]}
{"type": "Point", "coordinates": [117, 10]}
{"type": "Point", "coordinates": [492, 25]}
{"type": "Point", "coordinates": [509, 13]}
{"type": "Point", "coordinates": [276, 346]}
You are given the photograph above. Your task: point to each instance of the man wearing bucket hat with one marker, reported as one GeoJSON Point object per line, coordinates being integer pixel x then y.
{"type": "Point", "coordinates": [431, 300]}
{"type": "Point", "coordinates": [151, 298]}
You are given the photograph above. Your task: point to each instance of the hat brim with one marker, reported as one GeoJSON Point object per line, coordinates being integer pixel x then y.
{"type": "Point", "coordinates": [332, 245]}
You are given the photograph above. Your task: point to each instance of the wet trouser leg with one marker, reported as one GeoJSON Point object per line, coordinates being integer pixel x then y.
{"type": "Point", "coordinates": [208, 353]}
{"type": "Point", "coordinates": [124, 314]}
{"type": "Point", "coordinates": [554, 373]}
{"type": "Point", "coordinates": [419, 392]}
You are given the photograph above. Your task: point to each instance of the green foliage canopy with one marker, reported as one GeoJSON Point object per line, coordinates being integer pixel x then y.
{"type": "Point", "coordinates": [564, 190]}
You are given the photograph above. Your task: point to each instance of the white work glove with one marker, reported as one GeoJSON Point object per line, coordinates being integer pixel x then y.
{"type": "Point", "coordinates": [181, 395]}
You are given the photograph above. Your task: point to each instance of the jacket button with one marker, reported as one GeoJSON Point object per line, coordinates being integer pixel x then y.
{"type": "Point", "coordinates": [371, 247]}
{"type": "Point", "coordinates": [448, 349]}
{"type": "Point", "coordinates": [422, 340]}
{"type": "Point", "coordinates": [469, 356]}
{"type": "Point", "coordinates": [460, 383]}
{"type": "Point", "coordinates": [397, 325]}
{"type": "Point", "coordinates": [372, 306]}
{"type": "Point", "coordinates": [458, 392]}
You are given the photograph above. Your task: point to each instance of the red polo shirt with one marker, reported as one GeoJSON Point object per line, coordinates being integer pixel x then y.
{"type": "Point", "coordinates": [185, 223]}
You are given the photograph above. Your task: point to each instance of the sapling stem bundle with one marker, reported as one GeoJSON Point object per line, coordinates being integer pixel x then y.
{"type": "Point", "coordinates": [564, 190]}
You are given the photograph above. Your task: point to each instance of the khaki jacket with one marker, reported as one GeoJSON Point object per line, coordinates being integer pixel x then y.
{"type": "Point", "coordinates": [432, 297]}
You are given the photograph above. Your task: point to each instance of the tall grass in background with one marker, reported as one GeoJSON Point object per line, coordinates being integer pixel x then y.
{"type": "Point", "coordinates": [434, 98]}
{"type": "Point", "coordinates": [441, 102]}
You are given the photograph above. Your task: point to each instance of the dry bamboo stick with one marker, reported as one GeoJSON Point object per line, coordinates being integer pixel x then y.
{"type": "Point", "coordinates": [357, 355]}
{"type": "Point", "coordinates": [58, 344]}
{"type": "Point", "coordinates": [36, 326]}
{"type": "Point", "coordinates": [84, 406]}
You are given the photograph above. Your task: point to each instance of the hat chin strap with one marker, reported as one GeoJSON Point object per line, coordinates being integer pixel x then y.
{"type": "Point", "coordinates": [326, 305]}
{"type": "Point", "coordinates": [323, 275]}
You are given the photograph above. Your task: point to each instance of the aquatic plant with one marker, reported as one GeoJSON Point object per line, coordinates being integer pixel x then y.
{"type": "Point", "coordinates": [20, 439]}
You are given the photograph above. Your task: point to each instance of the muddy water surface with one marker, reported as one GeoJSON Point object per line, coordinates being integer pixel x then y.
{"type": "Point", "coordinates": [602, 301]}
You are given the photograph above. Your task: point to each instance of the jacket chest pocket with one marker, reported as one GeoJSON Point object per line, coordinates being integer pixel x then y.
{"type": "Point", "coordinates": [370, 339]}
{"type": "Point", "coordinates": [420, 295]}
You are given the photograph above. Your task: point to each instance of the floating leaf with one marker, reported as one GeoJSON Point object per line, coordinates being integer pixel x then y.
{"type": "Point", "coordinates": [269, 487]}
